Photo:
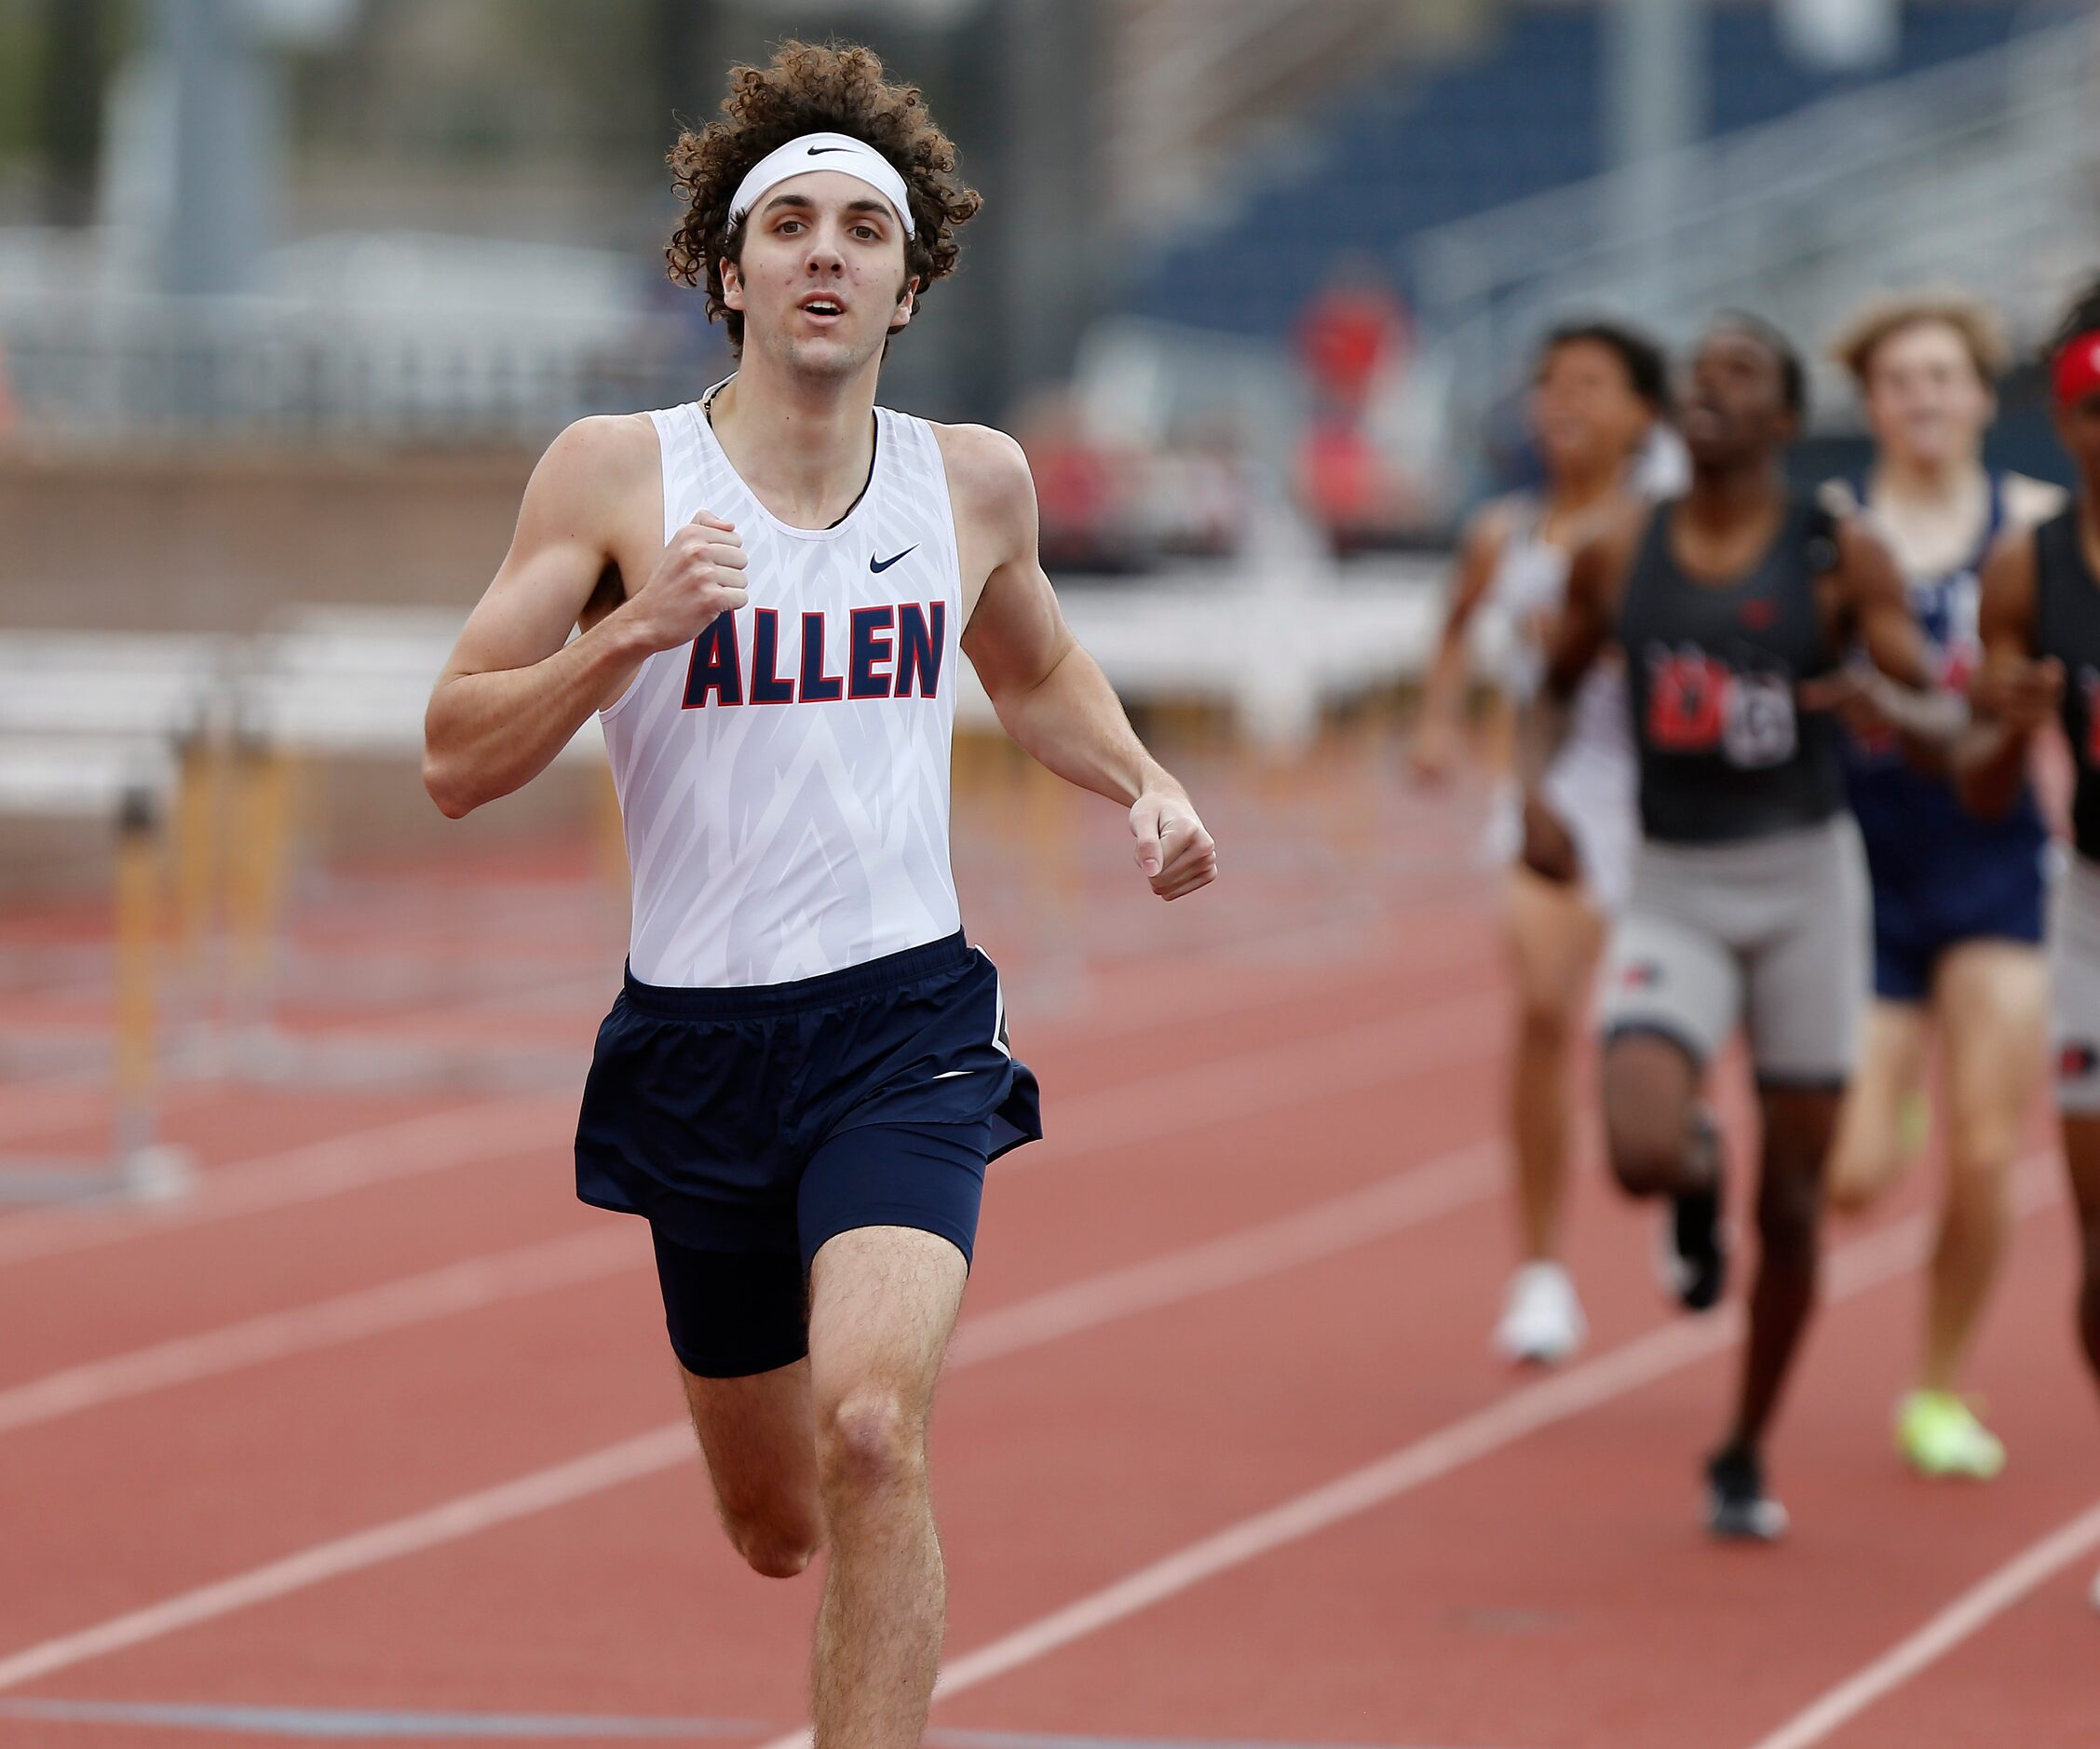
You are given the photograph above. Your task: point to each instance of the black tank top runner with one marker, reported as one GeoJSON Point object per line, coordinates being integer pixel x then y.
{"type": "Point", "coordinates": [1710, 669]}
{"type": "Point", "coordinates": [2068, 627]}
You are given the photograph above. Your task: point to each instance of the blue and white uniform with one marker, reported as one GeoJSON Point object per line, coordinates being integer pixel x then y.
{"type": "Point", "coordinates": [805, 1044]}
{"type": "Point", "coordinates": [1941, 875]}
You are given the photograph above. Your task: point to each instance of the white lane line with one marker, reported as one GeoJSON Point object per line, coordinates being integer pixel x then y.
{"type": "Point", "coordinates": [537, 1493]}
{"type": "Point", "coordinates": [1852, 1270]}
{"type": "Point", "coordinates": [1460, 1029]}
{"type": "Point", "coordinates": [458, 1287]}
{"type": "Point", "coordinates": [1965, 1617]}
{"type": "Point", "coordinates": [1407, 1199]}
{"type": "Point", "coordinates": [434, 1142]}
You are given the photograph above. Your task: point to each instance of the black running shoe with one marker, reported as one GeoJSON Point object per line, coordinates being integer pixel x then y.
{"type": "Point", "coordinates": [1696, 1257]}
{"type": "Point", "coordinates": [1738, 1509]}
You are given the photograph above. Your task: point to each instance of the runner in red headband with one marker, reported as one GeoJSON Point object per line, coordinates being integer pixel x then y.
{"type": "Point", "coordinates": [2040, 625]}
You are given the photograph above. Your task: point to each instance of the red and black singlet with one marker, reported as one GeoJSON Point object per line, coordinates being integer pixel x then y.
{"type": "Point", "coordinates": [1725, 752]}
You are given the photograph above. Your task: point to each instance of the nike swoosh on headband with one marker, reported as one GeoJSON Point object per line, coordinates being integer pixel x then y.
{"type": "Point", "coordinates": [857, 159]}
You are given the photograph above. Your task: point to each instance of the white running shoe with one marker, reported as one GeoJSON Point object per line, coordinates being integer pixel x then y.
{"type": "Point", "coordinates": [1542, 1322]}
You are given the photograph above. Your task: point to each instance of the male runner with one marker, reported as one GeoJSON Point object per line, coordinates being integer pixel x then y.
{"type": "Point", "coordinates": [1597, 397]}
{"type": "Point", "coordinates": [1733, 606]}
{"type": "Point", "coordinates": [1957, 901]}
{"type": "Point", "coordinates": [807, 1070]}
{"type": "Point", "coordinates": [2042, 659]}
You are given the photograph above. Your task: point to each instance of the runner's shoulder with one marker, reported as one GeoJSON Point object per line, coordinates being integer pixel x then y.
{"type": "Point", "coordinates": [988, 475]}
{"type": "Point", "coordinates": [1615, 535]}
{"type": "Point", "coordinates": [1490, 528]}
{"type": "Point", "coordinates": [595, 469]}
{"type": "Point", "coordinates": [603, 449]}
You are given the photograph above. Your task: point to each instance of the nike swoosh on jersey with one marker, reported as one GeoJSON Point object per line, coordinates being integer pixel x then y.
{"type": "Point", "coordinates": [879, 566]}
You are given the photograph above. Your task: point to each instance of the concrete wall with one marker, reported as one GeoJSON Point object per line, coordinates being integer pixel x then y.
{"type": "Point", "coordinates": [210, 540]}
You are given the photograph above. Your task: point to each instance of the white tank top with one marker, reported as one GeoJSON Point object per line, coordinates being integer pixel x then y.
{"type": "Point", "coordinates": [783, 779]}
{"type": "Point", "coordinates": [1529, 585]}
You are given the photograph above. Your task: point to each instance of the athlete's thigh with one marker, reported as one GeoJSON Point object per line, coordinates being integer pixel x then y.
{"type": "Point", "coordinates": [1991, 999]}
{"type": "Point", "coordinates": [1806, 983]}
{"type": "Point", "coordinates": [1870, 1148]}
{"type": "Point", "coordinates": [1555, 936]}
{"type": "Point", "coordinates": [882, 1305]}
{"type": "Point", "coordinates": [735, 1321]}
{"type": "Point", "coordinates": [1669, 978]}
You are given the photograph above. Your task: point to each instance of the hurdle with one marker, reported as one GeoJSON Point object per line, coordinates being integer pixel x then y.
{"type": "Point", "coordinates": [124, 689]}
{"type": "Point", "coordinates": [130, 784]}
{"type": "Point", "coordinates": [329, 683]}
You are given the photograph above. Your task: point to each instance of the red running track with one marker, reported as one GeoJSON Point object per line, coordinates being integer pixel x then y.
{"type": "Point", "coordinates": [1253, 1270]}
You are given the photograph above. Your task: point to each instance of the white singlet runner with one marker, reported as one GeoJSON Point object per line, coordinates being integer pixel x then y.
{"type": "Point", "coordinates": [1592, 783]}
{"type": "Point", "coordinates": [783, 779]}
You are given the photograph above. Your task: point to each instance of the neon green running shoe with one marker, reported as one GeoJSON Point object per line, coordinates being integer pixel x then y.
{"type": "Point", "coordinates": [1939, 1436]}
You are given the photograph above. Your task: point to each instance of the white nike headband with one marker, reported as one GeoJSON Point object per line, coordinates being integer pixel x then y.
{"type": "Point", "coordinates": [823, 152]}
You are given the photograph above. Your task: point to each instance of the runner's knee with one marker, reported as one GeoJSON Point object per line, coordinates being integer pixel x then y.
{"type": "Point", "coordinates": [869, 1443]}
{"type": "Point", "coordinates": [776, 1533]}
{"type": "Point", "coordinates": [1788, 1204]}
{"type": "Point", "coordinates": [1982, 1137]}
{"type": "Point", "coordinates": [774, 1545]}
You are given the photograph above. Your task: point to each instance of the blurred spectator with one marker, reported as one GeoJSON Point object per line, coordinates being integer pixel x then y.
{"type": "Point", "coordinates": [1112, 511]}
{"type": "Point", "coordinates": [1075, 489]}
{"type": "Point", "coordinates": [1351, 334]}
{"type": "Point", "coordinates": [1194, 495]}
{"type": "Point", "coordinates": [1354, 345]}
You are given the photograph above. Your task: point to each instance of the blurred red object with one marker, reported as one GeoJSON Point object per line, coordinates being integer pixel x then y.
{"type": "Point", "coordinates": [1348, 335]}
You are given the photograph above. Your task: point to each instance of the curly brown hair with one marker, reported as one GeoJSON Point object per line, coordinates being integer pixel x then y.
{"type": "Point", "coordinates": [812, 88]}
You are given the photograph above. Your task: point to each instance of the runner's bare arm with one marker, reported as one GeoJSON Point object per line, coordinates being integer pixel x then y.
{"type": "Point", "coordinates": [1436, 734]}
{"type": "Point", "coordinates": [1596, 573]}
{"type": "Point", "coordinates": [1898, 691]}
{"type": "Point", "coordinates": [2013, 695]}
{"type": "Point", "coordinates": [516, 687]}
{"type": "Point", "coordinates": [1050, 693]}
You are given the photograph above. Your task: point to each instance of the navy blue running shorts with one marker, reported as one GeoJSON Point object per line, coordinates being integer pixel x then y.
{"type": "Point", "coordinates": [749, 1126]}
{"type": "Point", "coordinates": [1916, 921]}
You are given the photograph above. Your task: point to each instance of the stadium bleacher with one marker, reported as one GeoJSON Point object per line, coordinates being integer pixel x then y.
{"type": "Point", "coordinates": [1419, 149]}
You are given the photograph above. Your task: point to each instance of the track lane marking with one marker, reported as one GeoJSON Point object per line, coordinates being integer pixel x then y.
{"type": "Point", "coordinates": [1968, 1615]}
{"type": "Point", "coordinates": [408, 1147]}
{"type": "Point", "coordinates": [1406, 1197]}
{"type": "Point", "coordinates": [457, 1287]}
{"type": "Point", "coordinates": [1850, 1271]}
{"type": "Point", "coordinates": [1853, 1268]}
{"type": "Point", "coordinates": [1410, 1198]}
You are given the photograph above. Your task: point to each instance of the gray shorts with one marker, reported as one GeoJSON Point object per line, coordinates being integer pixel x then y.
{"type": "Point", "coordinates": [1773, 934]}
{"type": "Point", "coordinates": [2074, 964]}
